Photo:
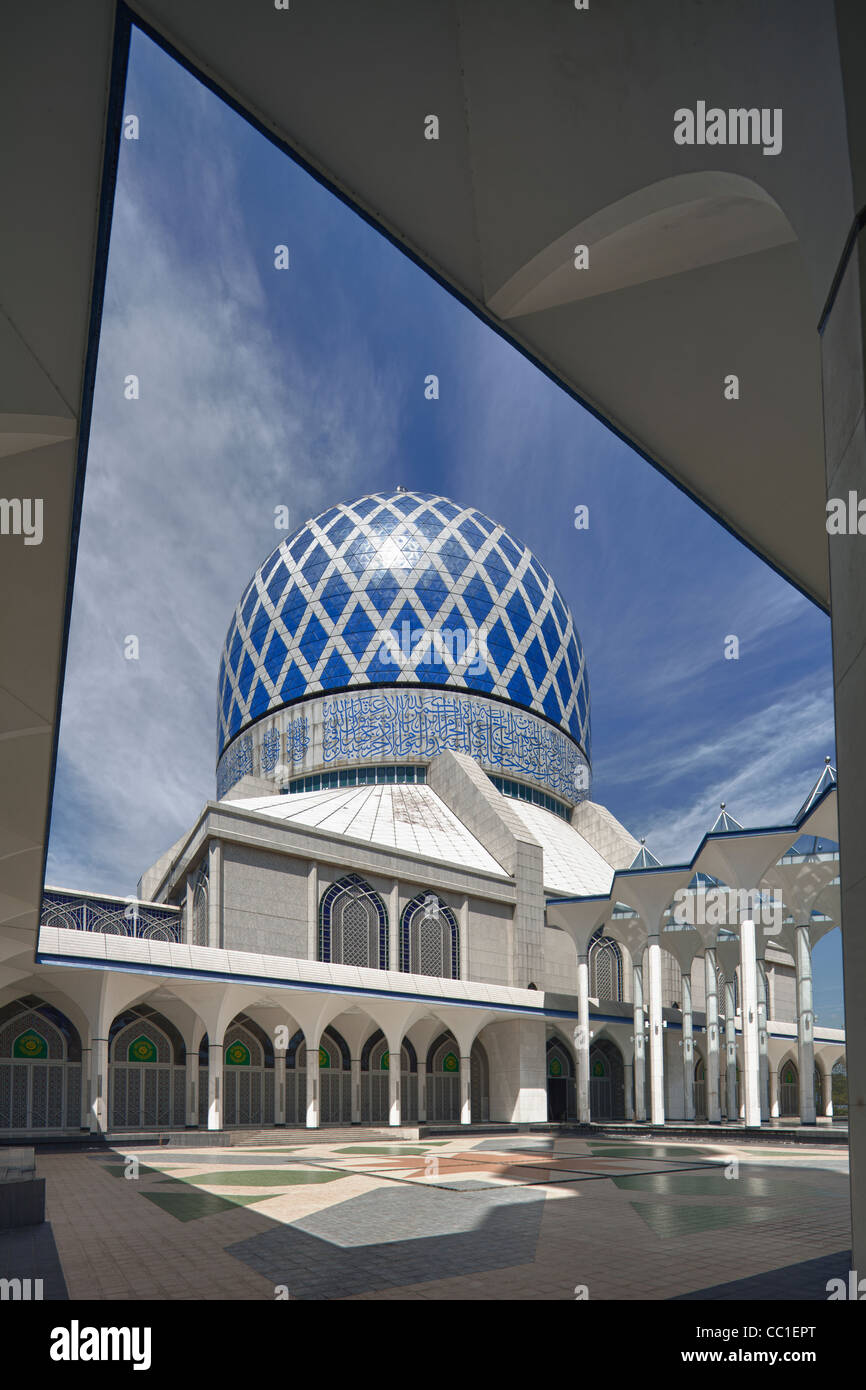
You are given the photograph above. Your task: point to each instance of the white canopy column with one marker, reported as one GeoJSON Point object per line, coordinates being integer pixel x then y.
{"type": "Point", "coordinates": [579, 918]}
{"type": "Point", "coordinates": [711, 1006]}
{"type": "Point", "coordinates": [684, 944]}
{"type": "Point", "coordinates": [629, 931]}
{"type": "Point", "coordinates": [728, 953]}
{"type": "Point", "coordinates": [739, 859]}
{"type": "Point", "coordinates": [649, 889]}
{"type": "Point", "coordinates": [804, 880]}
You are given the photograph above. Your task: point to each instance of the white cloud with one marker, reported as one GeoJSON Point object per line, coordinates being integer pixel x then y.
{"type": "Point", "coordinates": [178, 512]}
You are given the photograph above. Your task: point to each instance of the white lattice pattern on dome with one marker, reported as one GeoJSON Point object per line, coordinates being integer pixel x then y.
{"type": "Point", "coordinates": [313, 617]}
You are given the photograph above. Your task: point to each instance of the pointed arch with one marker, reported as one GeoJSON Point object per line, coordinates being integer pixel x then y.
{"type": "Point", "coordinates": [789, 1088]}
{"type": "Point", "coordinates": [40, 1067]}
{"type": "Point", "coordinates": [605, 967]}
{"type": "Point", "coordinates": [429, 938]}
{"type": "Point", "coordinates": [606, 1080]}
{"type": "Point", "coordinates": [353, 925]}
{"type": "Point", "coordinates": [147, 1072]}
{"type": "Point", "coordinates": [200, 933]}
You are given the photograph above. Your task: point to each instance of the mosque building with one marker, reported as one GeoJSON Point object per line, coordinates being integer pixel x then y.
{"type": "Point", "coordinates": [403, 905]}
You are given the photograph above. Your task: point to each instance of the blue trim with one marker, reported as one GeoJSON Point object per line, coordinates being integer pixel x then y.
{"type": "Point", "coordinates": [167, 972]}
{"type": "Point", "coordinates": [405, 943]}
{"type": "Point", "coordinates": [793, 829]}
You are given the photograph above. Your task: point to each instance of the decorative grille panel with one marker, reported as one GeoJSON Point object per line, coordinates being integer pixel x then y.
{"type": "Point", "coordinates": [355, 934]}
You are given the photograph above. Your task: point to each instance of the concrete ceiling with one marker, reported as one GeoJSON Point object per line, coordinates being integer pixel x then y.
{"type": "Point", "coordinates": [555, 128]}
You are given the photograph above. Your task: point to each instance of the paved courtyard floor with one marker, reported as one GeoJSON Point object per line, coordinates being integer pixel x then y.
{"type": "Point", "coordinates": [513, 1217]}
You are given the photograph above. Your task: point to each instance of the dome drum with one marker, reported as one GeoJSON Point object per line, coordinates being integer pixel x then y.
{"type": "Point", "coordinates": [405, 726]}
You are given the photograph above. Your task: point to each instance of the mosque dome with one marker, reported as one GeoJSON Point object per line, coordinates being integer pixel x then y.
{"type": "Point", "coordinates": [408, 590]}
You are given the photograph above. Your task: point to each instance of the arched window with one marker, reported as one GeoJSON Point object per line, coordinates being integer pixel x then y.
{"type": "Point", "coordinates": [789, 1089]}
{"type": "Point", "coordinates": [429, 938]}
{"type": "Point", "coordinates": [722, 996]}
{"type": "Point", "coordinates": [200, 909]}
{"type": "Point", "coordinates": [605, 967]}
{"type": "Point", "coordinates": [353, 925]}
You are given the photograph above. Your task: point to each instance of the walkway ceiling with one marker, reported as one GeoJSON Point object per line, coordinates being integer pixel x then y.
{"type": "Point", "coordinates": [555, 127]}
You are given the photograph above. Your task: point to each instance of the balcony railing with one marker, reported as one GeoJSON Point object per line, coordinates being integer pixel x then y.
{"type": "Point", "coordinates": [114, 916]}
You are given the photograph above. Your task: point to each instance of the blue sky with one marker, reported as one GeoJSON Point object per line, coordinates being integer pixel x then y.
{"type": "Point", "coordinates": [305, 387]}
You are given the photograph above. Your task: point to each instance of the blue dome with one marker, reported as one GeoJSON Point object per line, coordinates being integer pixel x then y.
{"type": "Point", "coordinates": [353, 599]}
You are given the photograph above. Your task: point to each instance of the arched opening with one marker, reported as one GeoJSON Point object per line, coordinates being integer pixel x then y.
{"type": "Point", "coordinates": [147, 1071]}
{"type": "Point", "coordinates": [605, 967]}
{"type": "Point", "coordinates": [248, 1075]}
{"type": "Point", "coordinates": [606, 1081]}
{"type": "Point", "coordinates": [700, 1089]}
{"type": "Point", "coordinates": [819, 1090]}
{"type": "Point", "coordinates": [443, 1081]}
{"type": "Point", "coordinates": [375, 1073]}
{"type": "Point", "coordinates": [429, 938]}
{"type": "Point", "coordinates": [479, 1089]}
{"type": "Point", "coordinates": [789, 1090]}
{"type": "Point", "coordinates": [335, 1079]}
{"type": "Point", "coordinates": [353, 925]}
{"type": "Point", "coordinates": [561, 1089]}
{"type": "Point", "coordinates": [40, 1067]}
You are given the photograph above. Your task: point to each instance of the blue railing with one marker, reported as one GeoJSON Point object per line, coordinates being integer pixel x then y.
{"type": "Point", "coordinates": [114, 916]}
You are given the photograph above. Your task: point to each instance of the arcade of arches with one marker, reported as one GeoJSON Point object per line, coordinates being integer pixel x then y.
{"type": "Point", "coordinates": [158, 1079]}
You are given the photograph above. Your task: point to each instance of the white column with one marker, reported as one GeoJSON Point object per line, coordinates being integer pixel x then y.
{"type": "Point", "coordinates": [279, 1088]}
{"type": "Point", "coordinates": [581, 1038]}
{"type": "Point", "coordinates": [639, 1052]}
{"type": "Point", "coordinates": [422, 1090]}
{"type": "Point", "coordinates": [191, 1088]}
{"type": "Point", "coordinates": [215, 1063]}
{"type": "Point", "coordinates": [751, 1055]}
{"type": "Point", "coordinates": [828, 1095]}
{"type": "Point", "coordinates": [763, 1043]}
{"type": "Point", "coordinates": [711, 985]}
{"type": "Point", "coordinates": [313, 1086]}
{"type": "Point", "coordinates": [688, 1049]}
{"type": "Point", "coordinates": [656, 1035]}
{"type": "Point", "coordinates": [356, 1090]}
{"type": "Point", "coordinates": [805, 1026]}
{"type": "Point", "coordinates": [463, 938]}
{"type": "Point", "coordinates": [99, 1087]}
{"type": "Point", "coordinates": [465, 1090]}
{"type": "Point", "coordinates": [393, 1088]}
{"type": "Point", "coordinates": [731, 1106]}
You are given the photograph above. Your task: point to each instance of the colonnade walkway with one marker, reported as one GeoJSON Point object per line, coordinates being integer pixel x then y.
{"type": "Point", "coordinates": [355, 1214]}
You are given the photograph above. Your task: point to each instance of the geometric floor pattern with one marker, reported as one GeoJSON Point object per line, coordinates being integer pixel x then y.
{"type": "Point", "coordinates": [497, 1218]}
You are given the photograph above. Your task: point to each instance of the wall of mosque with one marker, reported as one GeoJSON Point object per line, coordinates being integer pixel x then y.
{"type": "Point", "coordinates": [491, 945]}
{"type": "Point", "coordinates": [264, 902]}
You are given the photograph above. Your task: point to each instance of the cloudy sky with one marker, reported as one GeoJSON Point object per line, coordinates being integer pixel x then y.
{"type": "Point", "coordinates": [305, 387]}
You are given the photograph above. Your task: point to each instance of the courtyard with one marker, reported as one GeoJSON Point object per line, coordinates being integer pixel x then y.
{"type": "Point", "coordinates": [355, 1215]}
